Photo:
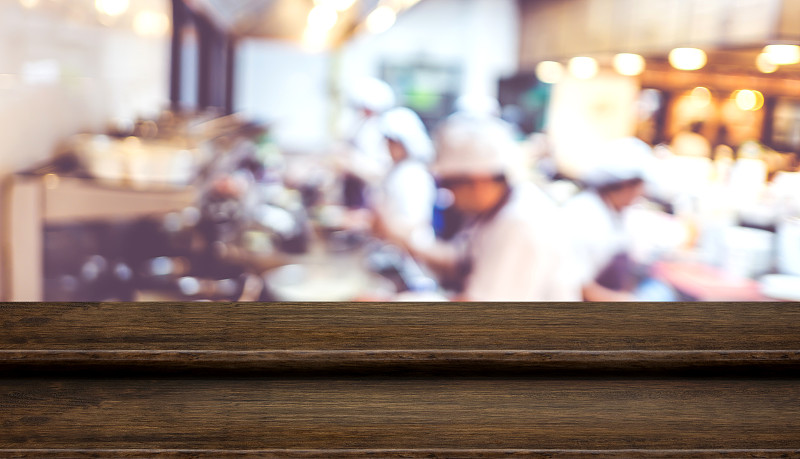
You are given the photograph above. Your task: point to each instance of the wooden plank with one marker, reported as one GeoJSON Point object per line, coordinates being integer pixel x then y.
{"type": "Point", "coordinates": [398, 362]}
{"type": "Point", "coordinates": [366, 413]}
{"type": "Point", "coordinates": [401, 326]}
{"type": "Point", "coordinates": [398, 453]}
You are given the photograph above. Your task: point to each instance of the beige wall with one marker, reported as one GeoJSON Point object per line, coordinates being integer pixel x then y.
{"type": "Point", "coordinates": [63, 72]}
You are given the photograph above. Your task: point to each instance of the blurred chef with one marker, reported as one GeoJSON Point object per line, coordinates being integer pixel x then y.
{"type": "Point", "coordinates": [594, 220]}
{"type": "Point", "coordinates": [691, 142]}
{"type": "Point", "coordinates": [404, 205]}
{"type": "Point", "coordinates": [477, 105]}
{"type": "Point", "coordinates": [368, 159]}
{"type": "Point", "coordinates": [509, 250]}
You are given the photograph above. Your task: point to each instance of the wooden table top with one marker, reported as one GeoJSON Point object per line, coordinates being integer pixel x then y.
{"type": "Point", "coordinates": [400, 380]}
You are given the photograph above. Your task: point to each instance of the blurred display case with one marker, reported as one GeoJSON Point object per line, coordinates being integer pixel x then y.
{"type": "Point", "coordinates": [55, 222]}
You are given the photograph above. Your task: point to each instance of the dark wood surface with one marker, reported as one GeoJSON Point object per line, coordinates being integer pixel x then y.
{"type": "Point", "coordinates": [407, 326]}
{"type": "Point", "coordinates": [398, 413]}
{"type": "Point", "coordinates": [397, 453]}
{"type": "Point", "coordinates": [100, 388]}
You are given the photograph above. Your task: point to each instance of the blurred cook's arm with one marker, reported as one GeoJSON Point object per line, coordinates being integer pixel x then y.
{"type": "Point", "coordinates": [442, 257]}
{"type": "Point", "coordinates": [419, 241]}
{"type": "Point", "coordinates": [586, 273]}
{"type": "Point", "coordinates": [592, 291]}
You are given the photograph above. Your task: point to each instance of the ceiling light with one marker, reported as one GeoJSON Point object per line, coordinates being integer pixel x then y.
{"type": "Point", "coordinates": [322, 17]}
{"type": "Point", "coordinates": [687, 58]}
{"type": "Point", "coordinates": [315, 40]}
{"type": "Point", "coordinates": [628, 64]}
{"type": "Point", "coordinates": [381, 19]}
{"type": "Point", "coordinates": [549, 72]}
{"type": "Point", "coordinates": [29, 3]}
{"type": "Point", "coordinates": [764, 64]}
{"type": "Point", "coordinates": [111, 7]}
{"type": "Point", "coordinates": [783, 54]}
{"type": "Point", "coordinates": [747, 99]}
{"type": "Point", "coordinates": [151, 23]}
{"type": "Point", "coordinates": [338, 5]}
{"type": "Point", "coordinates": [342, 5]}
{"type": "Point", "coordinates": [583, 68]}
{"type": "Point", "coordinates": [408, 3]}
{"type": "Point", "coordinates": [701, 96]}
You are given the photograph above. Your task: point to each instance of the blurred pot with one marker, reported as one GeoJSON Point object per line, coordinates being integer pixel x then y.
{"type": "Point", "coordinates": [137, 161]}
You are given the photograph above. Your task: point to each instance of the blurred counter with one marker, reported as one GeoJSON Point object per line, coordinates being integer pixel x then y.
{"type": "Point", "coordinates": [700, 282]}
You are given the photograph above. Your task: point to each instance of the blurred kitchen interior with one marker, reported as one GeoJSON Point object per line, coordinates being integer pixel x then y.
{"type": "Point", "coordinates": [156, 150]}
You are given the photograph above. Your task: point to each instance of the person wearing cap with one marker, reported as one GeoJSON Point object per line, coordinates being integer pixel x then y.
{"type": "Point", "coordinates": [404, 204]}
{"type": "Point", "coordinates": [509, 250]}
{"type": "Point", "coordinates": [368, 160]}
{"type": "Point", "coordinates": [594, 220]}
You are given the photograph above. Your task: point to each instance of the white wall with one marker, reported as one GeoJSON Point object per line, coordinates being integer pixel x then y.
{"type": "Point", "coordinates": [281, 82]}
{"type": "Point", "coordinates": [101, 74]}
{"type": "Point", "coordinates": [480, 35]}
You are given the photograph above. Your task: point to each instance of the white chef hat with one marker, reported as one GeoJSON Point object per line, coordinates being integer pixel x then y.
{"type": "Point", "coordinates": [619, 161]}
{"type": "Point", "coordinates": [477, 105]}
{"type": "Point", "coordinates": [404, 125]}
{"type": "Point", "coordinates": [373, 94]}
{"type": "Point", "coordinates": [474, 146]}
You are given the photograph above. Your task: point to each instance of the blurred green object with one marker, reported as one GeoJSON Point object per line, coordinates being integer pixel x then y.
{"type": "Point", "coordinates": [422, 101]}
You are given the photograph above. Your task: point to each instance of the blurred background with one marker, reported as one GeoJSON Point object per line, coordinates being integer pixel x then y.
{"type": "Point", "coordinates": [241, 150]}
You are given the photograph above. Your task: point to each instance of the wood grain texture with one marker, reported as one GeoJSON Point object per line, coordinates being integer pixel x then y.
{"type": "Point", "coordinates": [401, 326]}
{"type": "Point", "coordinates": [397, 453]}
{"type": "Point", "coordinates": [423, 413]}
{"type": "Point", "coordinates": [86, 388]}
{"type": "Point", "coordinates": [451, 362]}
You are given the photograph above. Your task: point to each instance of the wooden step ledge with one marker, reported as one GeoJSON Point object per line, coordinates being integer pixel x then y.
{"type": "Point", "coordinates": [396, 414]}
{"type": "Point", "coordinates": [401, 326]}
{"type": "Point", "coordinates": [279, 361]}
{"type": "Point", "coordinates": [398, 453]}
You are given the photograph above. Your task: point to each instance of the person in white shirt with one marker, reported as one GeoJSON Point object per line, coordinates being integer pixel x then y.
{"type": "Point", "coordinates": [594, 220]}
{"type": "Point", "coordinates": [511, 248]}
{"type": "Point", "coordinates": [404, 203]}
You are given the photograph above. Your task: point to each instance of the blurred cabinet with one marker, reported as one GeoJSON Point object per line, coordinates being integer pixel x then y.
{"type": "Point", "coordinates": [38, 201]}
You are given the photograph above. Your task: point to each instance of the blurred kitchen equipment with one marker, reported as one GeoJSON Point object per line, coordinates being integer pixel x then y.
{"type": "Point", "coordinates": [317, 282]}
{"type": "Point", "coordinates": [138, 162]}
{"type": "Point", "coordinates": [788, 246]}
{"type": "Point", "coordinates": [748, 252]}
{"type": "Point", "coordinates": [781, 287]}
{"type": "Point", "coordinates": [748, 179]}
{"type": "Point", "coordinates": [675, 177]}
{"type": "Point", "coordinates": [400, 268]}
